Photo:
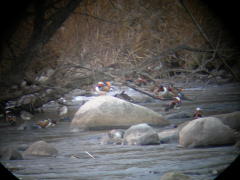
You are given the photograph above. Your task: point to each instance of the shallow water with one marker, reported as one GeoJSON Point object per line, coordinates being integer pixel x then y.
{"type": "Point", "coordinates": [122, 161]}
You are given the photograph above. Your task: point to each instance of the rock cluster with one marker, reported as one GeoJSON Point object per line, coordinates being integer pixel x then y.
{"type": "Point", "coordinates": [140, 134]}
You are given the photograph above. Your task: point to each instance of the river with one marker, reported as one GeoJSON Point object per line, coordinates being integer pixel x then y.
{"type": "Point", "coordinates": [81, 156]}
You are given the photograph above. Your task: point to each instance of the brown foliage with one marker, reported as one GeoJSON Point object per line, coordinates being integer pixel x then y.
{"type": "Point", "coordinates": [140, 35]}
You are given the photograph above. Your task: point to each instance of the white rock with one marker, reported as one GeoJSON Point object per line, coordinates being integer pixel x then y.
{"type": "Point", "coordinates": [105, 112]}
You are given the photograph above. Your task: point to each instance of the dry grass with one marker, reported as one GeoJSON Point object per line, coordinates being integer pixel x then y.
{"type": "Point", "coordinates": [103, 33]}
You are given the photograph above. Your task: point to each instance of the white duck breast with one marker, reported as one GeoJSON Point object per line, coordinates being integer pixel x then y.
{"type": "Point", "coordinates": [63, 110]}
{"type": "Point", "coordinates": [161, 93]}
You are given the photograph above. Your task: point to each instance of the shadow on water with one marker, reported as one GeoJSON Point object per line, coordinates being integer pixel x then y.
{"type": "Point", "coordinates": [122, 161]}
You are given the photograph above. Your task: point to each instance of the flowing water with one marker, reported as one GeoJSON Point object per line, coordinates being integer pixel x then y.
{"type": "Point", "coordinates": [81, 156]}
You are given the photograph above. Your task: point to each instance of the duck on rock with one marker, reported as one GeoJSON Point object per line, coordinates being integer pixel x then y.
{"type": "Point", "coordinates": [198, 113]}
{"type": "Point", "coordinates": [162, 92]}
{"type": "Point", "coordinates": [177, 92]}
{"type": "Point", "coordinates": [176, 102]}
{"type": "Point", "coordinates": [46, 123]}
{"type": "Point", "coordinates": [103, 87]}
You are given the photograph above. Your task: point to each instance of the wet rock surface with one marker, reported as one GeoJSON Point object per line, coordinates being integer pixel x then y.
{"type": "Point", "coordinates": [125, 161]}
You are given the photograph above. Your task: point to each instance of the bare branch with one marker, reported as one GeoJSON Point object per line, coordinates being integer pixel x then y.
{"type": "Point", "coordinates": [97, 18]}
{"type": "Point", "coordinates": [200, 29]}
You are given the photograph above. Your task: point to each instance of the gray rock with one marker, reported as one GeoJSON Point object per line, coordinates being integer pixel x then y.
{"type": "Point", "coordinates": [209, 131]}
{"type": "Point", "coordinates": [230, 119]}
{"type": "Point", "coordinates": [10, 153]}
{"type": "Point", "coordinates": [27, 99]}
{"type": "Point", "coordinates": [141, 134]}
{"type": "Point", "coordinates": [168, 136]}
{"type": "Point", "coordinates": [41, 148]}
{"type": "Point", "coordinates": [22, 147]}
{"type": "Point", "coordinates": [106, 112]}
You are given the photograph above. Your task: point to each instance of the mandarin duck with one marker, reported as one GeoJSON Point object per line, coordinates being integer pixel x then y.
{"type": "Point", "coordinates": [46, 123]}
{"type": "Point", "coordinates": [198, 113]}
{"type": "Point", "coordinates": [10, 118]}
{"type": "Point", "coordinates": [162, 92]}
{"type": "Point", "coordinates": [103, 87]}
{"type": "Point", "coordinates": [176, 102]}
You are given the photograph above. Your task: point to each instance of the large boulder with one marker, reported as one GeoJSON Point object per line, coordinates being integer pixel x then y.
{"type": "Point", "coordinates": [209, 131]}
{"type": "Point", "coordinates": [141, 134]}
{"type": "Point", "coordinates": [106, 112]}
{"type": "Point", "coordinates": [230, 119]}
{"type": "Point", "coordinates": [41, 148]}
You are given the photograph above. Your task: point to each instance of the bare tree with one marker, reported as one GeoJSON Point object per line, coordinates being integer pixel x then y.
{"type": "Point", "coordinates": [45, 24]}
